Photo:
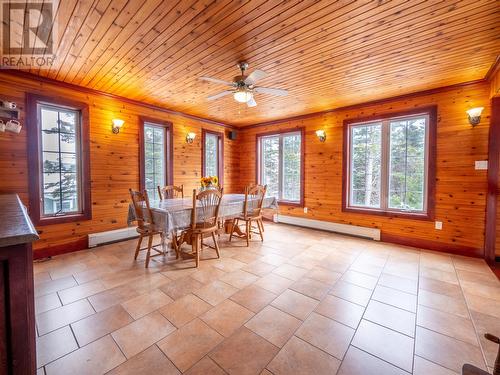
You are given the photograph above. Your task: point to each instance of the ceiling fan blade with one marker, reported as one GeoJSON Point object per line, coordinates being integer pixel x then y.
{"type": "Point", "coordinates": [252, 103]}
{"type": "Point", "coordinates": [269, 90]}
{"type": "Point", "coordinates": [216, 80]}
{"type": "Point", "coordinates": [255, 76]}
{"type": "Point", "coordinates": [219, 95]}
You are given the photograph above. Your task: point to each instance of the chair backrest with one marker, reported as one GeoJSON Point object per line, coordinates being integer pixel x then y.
{"type": "Point", "coordinates": [254, 197]}
{"type": "Point", "coordinates": [171, 191]}
{"type": "Point", "coordinates": [206, 206]}
{"type": "Point", "coordinates": [143, 213]}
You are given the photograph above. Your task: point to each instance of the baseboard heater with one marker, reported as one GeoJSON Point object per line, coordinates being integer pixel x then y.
{"type": "Point", "coordinates": [101, 238]}
{"type": "Point", "coordinates": [353, 230]}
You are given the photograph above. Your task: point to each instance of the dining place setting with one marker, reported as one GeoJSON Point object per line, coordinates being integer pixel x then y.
{"type": "Point", "coordinates": [188, 223]}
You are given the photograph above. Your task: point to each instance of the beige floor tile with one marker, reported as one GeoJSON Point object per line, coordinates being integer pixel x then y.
{"type": "Point", "coordinates": [244, 353]}
{"type": "Point", "coordinates": [431, 273]}
{"type": "Point", "coordinates": [447, 324]}
{"type": "Point", "coordinates": [207, 274]}
{"type": "Point", "coordinates": [137, 336]}
{"type": "Point", "coordinates": [189, 344]}
{"type": "Point", "coordinates": [396, 298]}
{"type": "Point", "coordinates": [360, 279]}
{"type": "Point", "coordinates": [399, 283]}
{"type": "Point", "coordinates": [323, 275]}
{"type": "Point", "coordinates": [422, 366]}
{"type": "Point", "coordinates": [239, 278]}
{"type": "Point", "coordinates": [311, 288]}
{"type": "Point", "coordinates": [484, 305]}
{"type": "Point", "coordinates": [351, 292]}
{"type": "Point", "coordinates": [229, 264]}
{"type": "Point", "coordinates": [142, 305]}
{"type": "Point", "coordinates": [290, 271]}
{"type": "Point", "coordinates": [185, 309]}
{"type": "Point", "coordinates": [96, 358]}
{"type": "Point", "coordinates": [274, 283]}
{"type": "Point", "coordinates": [444, 303]}
{"type": "Point", "coordinates": [41, 277]}
{"type": "Point", "coordinates": [102, 301]}
{"type": "Point", "coordinates": [440, 287]}
{"type": "Point", "coordinates": [54, 345]}
{"type": "Point", "coordinates": [481, 290]}
{"type": "Point", "coordinates": [298, 357]}
{"type": "Point", "coordinates": [181, 287]}
{"type": "Point", "coordinates": [402, 269]}
{"type": "Point", "coordinates": [326, 334]}
{"type": "Point", "coordinates": [81, 291]}
{"type": "Point", "coordinates": [205, 367]}
{"type": "Point", "coordinates": [64, 315]}
{"type": "Point", "coordinates": [253, 297]}
{"type": "Point", "coordinates": [391, 317]}
{"type": "Point", "coordinates": [486, 324]}
{"type": "Point", "coordinates": [259, 268]}
{"type": "Point", "coordinates": [216, 292]}
{"type": "Point", "coordinates": [341, 310]}
{"type": "Point", "coordinates": [386, 344]}
{"type": "Point", "coordinates": [66, 269]}
{"type": "Point", "coordinates": [446, 351]}
{"type": "Point", "coordinates": [151, 361]}
{"type": "Point", "coordinates": [358, 362]}
{"type": "Point", "coordinates": [246, 257]}
{"type": "Point", "coordinates": [47, 302]}
{"type": "Point", "coordinates": [367, 268]}
{"type": "Point", "coordinates": [273, 259]}
{"type": "Point", "coordinates": [295, 304]}
{"type": "Point", "coordinates": [100, 324]}
{"type": "Point", "coordinates": [274, 325]}
{"type": "Point", "coordinates": [226, 317]}
{"type": "Point", "coordinates": [53, 286]}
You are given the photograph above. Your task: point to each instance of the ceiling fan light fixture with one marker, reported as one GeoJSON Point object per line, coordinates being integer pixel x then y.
{"type": "Point", "coordinates": [243, 96]}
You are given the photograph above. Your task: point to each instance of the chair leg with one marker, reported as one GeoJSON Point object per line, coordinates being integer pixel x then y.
{"type": "Point", "coordinates": [197, 250]}
{"type": "Point", "coordinates": [259, 225]}
{"type": "Point", "coordinates": [216, 245]}
{"type": "Point", "coordinates": [232, 229]}
{"type": "Point", "coordinates": [148, 254]}
{"type": "Point", "coordinates": [163, 244]}
{"type": "Point", "coordinates": [248, 226]}
{"type": "Point", "coordinates": [262, 225]}
{"type": "Point", "coordinates": [138, 248]}
{"type": "Point", "coordinates": [175, 245]}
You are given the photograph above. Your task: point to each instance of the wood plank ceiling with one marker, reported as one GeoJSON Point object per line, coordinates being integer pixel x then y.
{"type": "Point", "coordinates": [328, 54]}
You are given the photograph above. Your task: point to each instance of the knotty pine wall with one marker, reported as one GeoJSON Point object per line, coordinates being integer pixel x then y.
{"type": "Point", "coordinates": [460, 189]}
{"type": "Point", "coordinates": [114, 158]}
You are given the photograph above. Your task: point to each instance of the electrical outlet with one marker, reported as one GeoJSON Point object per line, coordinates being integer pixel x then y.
{"type": "Point", "coordinates": [305, 210]}
{"type": "Point", "coordinates": [438, 225]}
{"type": "Point", "coordinates": [481, 164]}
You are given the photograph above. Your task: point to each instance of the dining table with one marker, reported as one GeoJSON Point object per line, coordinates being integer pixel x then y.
{"type": "Point", "coordinates": [171, 215]}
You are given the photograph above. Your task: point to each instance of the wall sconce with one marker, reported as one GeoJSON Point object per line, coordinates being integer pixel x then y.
{"type": "Point", "coordinates": [117, 124]}
{"type": "Point", "coordinates": [474, 115]}
{"type": "Point", "coordinates": [321, 135]}
{"type": "Point", "coordinates": [190, 137]}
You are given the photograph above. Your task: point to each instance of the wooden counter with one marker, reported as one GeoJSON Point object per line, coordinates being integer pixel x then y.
{"type": "Point", "coordinates": [17, 315]}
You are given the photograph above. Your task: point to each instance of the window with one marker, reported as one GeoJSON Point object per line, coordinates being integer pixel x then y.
{"type": "Point", "coordinates": [280, 165]}
{"type": "Point", "coordinates": [156, 156]}
{"type": "Point", "coordinates": [390, 164]}
{"type": "Point", "coordinates": [213, 154]}
{"type": "Point", "coordinates": [59, 165]}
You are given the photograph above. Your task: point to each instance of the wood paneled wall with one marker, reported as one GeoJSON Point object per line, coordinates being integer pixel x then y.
{"type": "Point", "coordinates": [460, 189]}
{"type": "Point", "coordinates": [114, 158]}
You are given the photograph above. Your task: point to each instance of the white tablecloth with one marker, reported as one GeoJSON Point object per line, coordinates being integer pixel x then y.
{"type": "Point", "coordinates": [174, 214]}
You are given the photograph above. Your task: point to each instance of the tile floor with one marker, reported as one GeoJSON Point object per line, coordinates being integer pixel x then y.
{"type": "Point", "coordinates": [302, 302]}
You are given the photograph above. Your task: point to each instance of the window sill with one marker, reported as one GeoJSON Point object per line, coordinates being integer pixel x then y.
{"type": "Point", "coordinates": [291, 203]}
{"type": "Point", "coordinates": [49, 220]}
{"type": "Point", "coordinates": [427, 216]}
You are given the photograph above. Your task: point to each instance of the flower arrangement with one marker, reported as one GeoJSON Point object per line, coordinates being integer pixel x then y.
{"type": "Point", "coordinates": [209, 181]}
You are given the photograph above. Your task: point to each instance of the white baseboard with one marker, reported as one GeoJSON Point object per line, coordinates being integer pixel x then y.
{"type": "Point", "coordinates": [111, 236]}
{"type": "Point", "coordinates": [353, 230]}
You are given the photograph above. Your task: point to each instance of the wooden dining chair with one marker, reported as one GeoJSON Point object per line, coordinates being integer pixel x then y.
{"type": "Point", "coordinates": [252, 212]}
{"type": "Point", "coordinates": [204, 221]}
{"type": "Point", "coordinates": [171, 191]}
{"type": "Point", "coordinates": [145, 225]}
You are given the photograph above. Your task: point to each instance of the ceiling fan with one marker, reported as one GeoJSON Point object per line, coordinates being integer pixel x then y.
{"type": "Point", "coordinates": [243, 86]}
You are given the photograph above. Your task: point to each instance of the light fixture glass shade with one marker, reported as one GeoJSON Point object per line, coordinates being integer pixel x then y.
{"type": "Point", "coordinates": [321, 134]}
{"type": "Point", "coordinates": [190, 137]}
{"type": "Point", "coordinates": [474, 112]}
{"type": "Point", "coordinates": [117, 124]}
{"type": "Point", "coordinates": [243, 96]}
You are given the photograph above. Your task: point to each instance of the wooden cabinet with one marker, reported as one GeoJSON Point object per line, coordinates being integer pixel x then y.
{"type": "Point", "coordinates": [17, 315]}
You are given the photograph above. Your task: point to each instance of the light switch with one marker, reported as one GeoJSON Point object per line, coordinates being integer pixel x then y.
{"type": "Point", "coordinates": [438, 225]}
{"type": "Point", "coordinates": [305, 210]}
{"type": "Point", "coordinates": [481, 164]}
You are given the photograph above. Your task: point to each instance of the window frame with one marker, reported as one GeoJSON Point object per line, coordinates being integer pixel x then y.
{"type": "Point", "coordinates": [258, 161]}
{"type": "Point", "coordinates": [169, 150]}
{"type": "Point", "coordinates": [34, 159]}
{"type": "Point", "coordinates": [429, 203]}
{"type": "Point", "coordinates": [220, 153]}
